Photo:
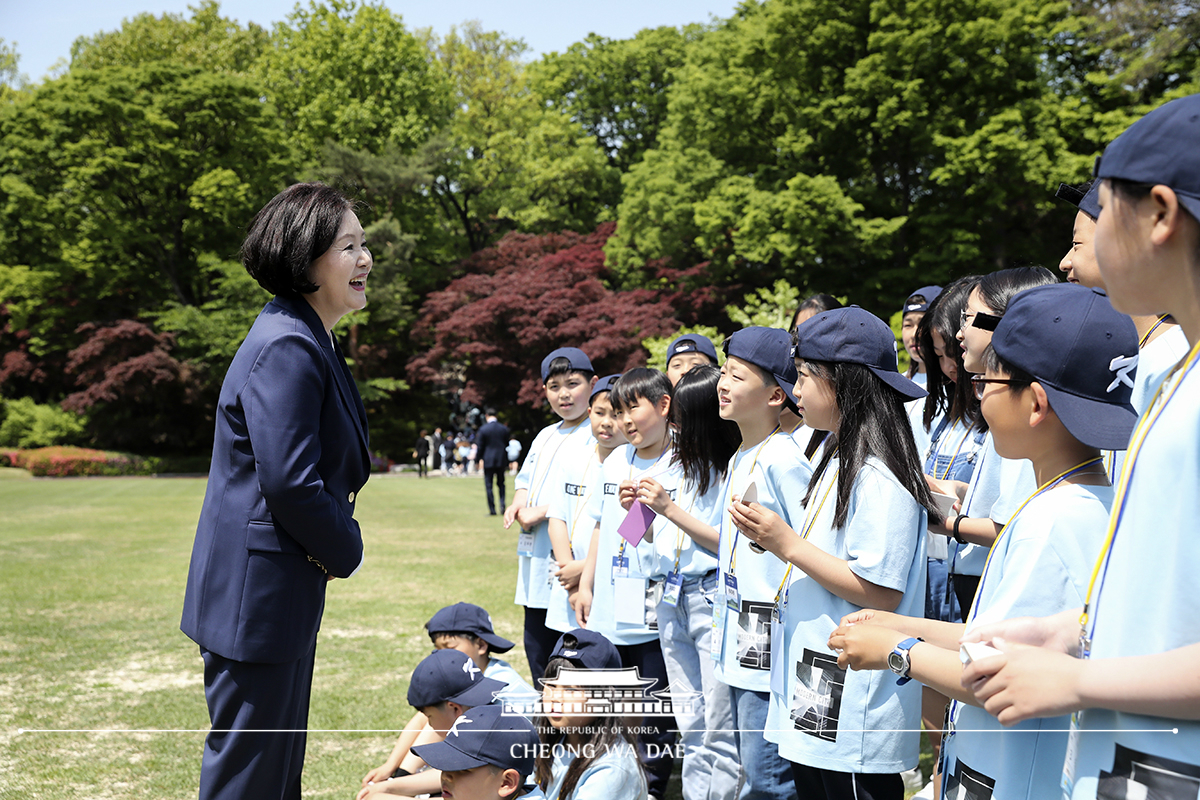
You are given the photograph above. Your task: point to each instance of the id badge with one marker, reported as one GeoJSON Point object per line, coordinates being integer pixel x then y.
{"type": "Point", "coordinates": [733, 600]}
{"type": "Point", "coordinates": [620, 567]}
{"type": "Point", "coordinates": [629, 601]}
{"type": "Point", "coordinates": [525, 544]}
{"type": "Point", "coordinates": [778, 662]}
{"type": "Point", "coordinates": [1068, 773]}
{"type": "Point", "coordinates": [551, 569]}
{"type": "Point", "coordinates": [716, 640]}
{"type": "Point", "coordinates": [671, 589]}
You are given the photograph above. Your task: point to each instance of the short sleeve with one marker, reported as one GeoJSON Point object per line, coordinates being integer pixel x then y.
{"type": "Point", "coordinates": [883, 529]}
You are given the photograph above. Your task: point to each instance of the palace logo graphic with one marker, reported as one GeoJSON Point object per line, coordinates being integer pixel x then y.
{"type": "Point", "coordinates": [600, 693]}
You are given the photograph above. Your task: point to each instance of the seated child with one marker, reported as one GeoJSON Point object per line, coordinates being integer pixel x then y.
{"type": "Point", "coordinates": [444, 685]}
{"type": "Point", "coordinates": [1048, 395]}
{"type": "Point", "coordinates": [466, 628]}
{"type": "Point", "coordinates": [487, 755]}
{"type": "Point", "coordinates": [586, 755]}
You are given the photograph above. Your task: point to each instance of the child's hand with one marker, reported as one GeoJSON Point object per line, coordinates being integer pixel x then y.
{"type": "Point", "coordinates": [568, 574]}
{"type": "Point", "coordinates": [761, 525]}
{"type": "Point", "coordinates": [957, 488]}
{"type": "Point", "coordinates": [378, 775]}
{"type": "Point", "coordinates": [1025, 682]}
{"type": "Point", "coordinates": [871, 615]}
{"type": "Point", "coordinates": [628, 494]}
{"type": "Point", "coordinates": [510, 515]}
{"type": "Point", "coordinates": [864, 646]}
{"type": "Point", "coordinates": [653, 495]}
{"type": "Point", "coordinates": [582, 603]}
{"type": "Point", "coordinates": [527, 517]}
{"type": "Point", "coordinates": [1059, 633]}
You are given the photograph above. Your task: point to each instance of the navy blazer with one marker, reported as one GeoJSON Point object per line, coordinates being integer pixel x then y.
{"type": "Point", "coordinates": [290, 455]}
{"type": "Point", "coordinates": [492, 441]}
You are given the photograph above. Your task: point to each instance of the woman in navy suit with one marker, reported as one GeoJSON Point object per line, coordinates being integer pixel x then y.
{"type": "Point", "coordinates": [289, 458]}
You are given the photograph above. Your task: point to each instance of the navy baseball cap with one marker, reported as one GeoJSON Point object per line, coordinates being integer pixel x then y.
{"type": "Point", "coordinates": [587, 650]}
{"type": "Point", "coordinates": [927, 293]}
{"type": "Point", "coordinates": [605, 384]}
{"type": "Point", "coordinates": [692, 343]}
{"type": "Point", "coordinates": [1160, 148]}
{"type": "Point", "coordinates": [1084, 354]}
{"type": "Point", "coordinates": [577, 358]}
{"type": "Point", "coordinates": [853, 335]}
{"type": "Point", "coordinates": [1086, 201]}
{"type": "Point", "coordinates": [468, 618]}
{"type": "Point", "coordinates": [769, 349]}
{"type": "Point", "coordinates": [450, 675]}
{"type": "Point", "coordinates": [484, 735]}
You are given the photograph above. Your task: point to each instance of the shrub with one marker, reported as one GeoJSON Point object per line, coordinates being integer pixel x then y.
{"type": "Point", "coordinates": [27, 424]}
{"type": "Point", "coordinates": [70, 462]}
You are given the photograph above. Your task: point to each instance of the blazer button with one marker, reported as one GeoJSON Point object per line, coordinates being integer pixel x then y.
{"type": "Point", "coordinates": [350, 498]}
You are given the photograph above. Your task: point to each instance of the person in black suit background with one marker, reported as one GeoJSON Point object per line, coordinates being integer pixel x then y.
{"type": "Point", "coordinates": [290, 455]}
{"type": "Point", "coordinates": [492, 439]}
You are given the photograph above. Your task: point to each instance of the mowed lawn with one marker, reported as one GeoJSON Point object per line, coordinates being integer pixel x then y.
{"type": "Point", "coordinates": [92, 575]}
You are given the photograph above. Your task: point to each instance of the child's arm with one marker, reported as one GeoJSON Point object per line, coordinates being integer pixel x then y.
{"type": "Point", "coordinates": [587, 578]}
{"type": "Point", "coordinates": [652, 493]}
{"type": "Point", "coordinates": [975, 530]}
{"type": "Point", "coordinates": [867, 646]}
{"type": "Point", "coordinates": [770, 531]}
{"type": "Point", "coordinates": [560, 542]}
{"type": "Point", "coordinates": [510, 513]}
{"type": "Point", "coordinates": [406, 739]}
{"type": "Point", "coordinates": [947, 635]}
{"type": "Point", "coordinates": [415, 783]}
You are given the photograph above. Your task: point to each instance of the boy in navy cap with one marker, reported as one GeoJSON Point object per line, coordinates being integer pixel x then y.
{"type": "Point", "coordinates": [1129, 659]}
{"type": "Point", "coordinates": [444, 685]}
{"type": "Point", "coordinates": [1053, 393]}
{"type": "Point", "coordinates": [487, 755]}
{"type": "Point", "coordinates": [687, 351]}
{"type": "Point", "coordinates": [568, 378]}
{"type": "Point", "coordinates": [756, 381]}
{"type": "Point", "coordinates": [911, 314]}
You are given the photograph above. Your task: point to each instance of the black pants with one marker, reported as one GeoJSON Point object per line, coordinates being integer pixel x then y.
{"type": "Point", "coordinates": [422, 467]}
{"type": "Point", "coordinates": [494, 474]}
{"type": "Point", "coordinates": [539, 643]}
{"type": "Point", "coordinates": [965, 587]}
{"type": "Point", "coordinates": [271, 699]}
{"type": "Point", "coordinates": [657, 732]}
{"type": "Point", "coordinates": [824, 784]}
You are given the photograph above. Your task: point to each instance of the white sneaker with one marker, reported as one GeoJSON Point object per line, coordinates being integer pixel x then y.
{"type": "Point", "coordinates": [913, 779]}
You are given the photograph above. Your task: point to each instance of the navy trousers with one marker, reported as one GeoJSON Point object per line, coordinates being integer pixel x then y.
{"type": "Point", "coordinates": [259, 716]}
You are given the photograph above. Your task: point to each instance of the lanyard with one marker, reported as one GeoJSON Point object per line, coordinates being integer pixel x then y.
{"type": "Point", "coordinates": [785, 588]}
{"type": "Point", "coordinates": [729, 499]}
{"type": "Point", "coordinates": [537, 461]}
{"type": "Point", "coordinates": [679, 535]}
{"type": "Point", "coordinates": [582, 503]}
{"type": "Point", "coordinates": [1161, 319]}
{"type": "Point", "coordinates": [1154, 410]}
{"type": "Point", "coordinates": [644, 473]}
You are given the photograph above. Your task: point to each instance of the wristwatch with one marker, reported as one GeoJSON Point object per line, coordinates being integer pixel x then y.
{"type": "Point", "coordinates": [898, 660]}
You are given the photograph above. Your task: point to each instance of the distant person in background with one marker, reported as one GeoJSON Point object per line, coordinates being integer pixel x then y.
{"type": "Point", "coordinates": [421, 454]}
{"type": "Point", "coordinates": [513, 451]}
{"type": "Point", "coordinates": [492, 441]}
{"type": "Point", "coordinates": [815, 305]}
{"type": "Point", "coordinates": [438, 441]}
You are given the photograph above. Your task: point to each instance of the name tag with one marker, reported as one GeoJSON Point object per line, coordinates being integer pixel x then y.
{"type": "Point", "coordinates": [671, 588]}
{"type": "Point", "coordinates": [733, 600]}
{"type": "Point", "coordinates": [629, 596]}
{"type": "Point", "coordinates": [525, 544]}
{"type": "Point", "coordinates": [716, 639]}
{"type": "Point", "coordinates": [620, 567]}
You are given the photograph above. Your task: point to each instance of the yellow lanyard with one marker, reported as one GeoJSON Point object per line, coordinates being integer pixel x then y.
{"type": "Point", "coordinates": [1161, 319]}
{"type": "Point", "coordinates": [809, 521]}
{"type": "Point", "coordinates": [632, 456]}
{"type": "Point", "coordinates": [729, 499]}
{"type": "Point", "coordinates": [1045, 487]}
{"type": "Point", "coordinates": [1154, 410]}
{"type": "Point", "coordinates": [679, 535]}
{"type": "Point", "coordinates": [582, 503]}
{"type": "Point", "coordinates": [545, 474]}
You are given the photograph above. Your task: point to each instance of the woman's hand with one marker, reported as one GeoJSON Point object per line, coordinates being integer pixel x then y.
{"type": "Point", "coordinates": [864, 646]}
{"type": "Point", "coordinates": [568, 573]}
{"type": "Point", "coordinates": [762, 526]}
{"type": "Point", "coordinates": [652, 494]}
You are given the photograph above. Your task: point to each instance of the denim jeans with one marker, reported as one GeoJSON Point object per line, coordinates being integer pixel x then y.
{"type": "Point", "coordinates": [711, 770]}
{"type": "Point", "coordinates": [768, 776]}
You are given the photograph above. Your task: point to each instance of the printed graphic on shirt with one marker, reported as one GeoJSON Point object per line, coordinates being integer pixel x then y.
{"type": "Point", "coordinates": [968, 784]}
{"type": "Point", "coordinates": [754, 635]}
{"type": "Point", "coordinates": [817, 701]}
{"type": "Point", "coordinates": [610, 490]}
{"type": "Point", "coordinates": [574, 489]}
{"type": "Point", "coordinates": [1140, 775]}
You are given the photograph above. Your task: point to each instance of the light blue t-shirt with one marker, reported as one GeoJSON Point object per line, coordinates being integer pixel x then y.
{"type": "Point", "coordinates": [568, 502]}
{"type": "Point", "coordinates": [780, 473]}
{"type": "Point", "coordinates": [916, 415]}
{"type": "Point", "coordinates": [613, 591]}
{"type": "Point", "coordinates": [673, 545]}
{"type": "Point", "coordinates": [616, 775]}
{"type": "Point", "coordinates": [842, 720]}
{"type": "Point", "coordinates": [996, 490]}
{"type": "Point", "coordinates": [1155, 361]}
{"type": "Point", "coordinates": [1146, 603]}
{"type": "Point", "coordinates": [1039, 566]}
{"type": "Point", "coordinates": [518, 691]}
{"type": "Point", "coordinates": [552, 448]}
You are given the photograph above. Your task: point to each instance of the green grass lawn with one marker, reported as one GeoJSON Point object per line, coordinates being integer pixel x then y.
{"type": "Point", "coordinates": [92, 574]}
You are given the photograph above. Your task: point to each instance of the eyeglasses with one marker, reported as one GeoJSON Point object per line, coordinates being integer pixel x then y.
{"type": "Point", "coordinates": [978, 382]}
{"type": "Point", "coordinates": [978, 319]}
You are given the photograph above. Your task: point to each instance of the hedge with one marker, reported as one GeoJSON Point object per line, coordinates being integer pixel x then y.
{"type": "Point", "coordinates": [70, 462]}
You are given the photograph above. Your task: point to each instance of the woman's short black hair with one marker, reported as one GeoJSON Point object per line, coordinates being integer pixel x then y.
{"type": "Point", "coordinates": [290, 232]}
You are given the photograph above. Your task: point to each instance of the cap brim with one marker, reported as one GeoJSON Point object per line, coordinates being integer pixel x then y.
{"type": "Point", "coordinates": [1192, 204]}
{"type": "Point", "coordinates": [479, 694]}
{"type": "Point", "coordinates": [900, 383]}
{"type": "Point", "coordinates": [1106, 426]}
{"type": "Point", "coordinates": [440, 755]}
{"type": "Point", "coordinates": [496, 644]}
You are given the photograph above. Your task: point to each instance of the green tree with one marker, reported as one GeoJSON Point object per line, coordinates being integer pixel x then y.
{"type": "Point", "coordinates": [10, 76]}
{"type": "Point", "coordinates": [206, 40]}
{"type": "Point", "coordinates": [351, 73]}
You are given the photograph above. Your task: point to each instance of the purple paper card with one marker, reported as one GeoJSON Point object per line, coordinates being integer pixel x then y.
{"type": "Point", "coordinates": [636, 523]}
